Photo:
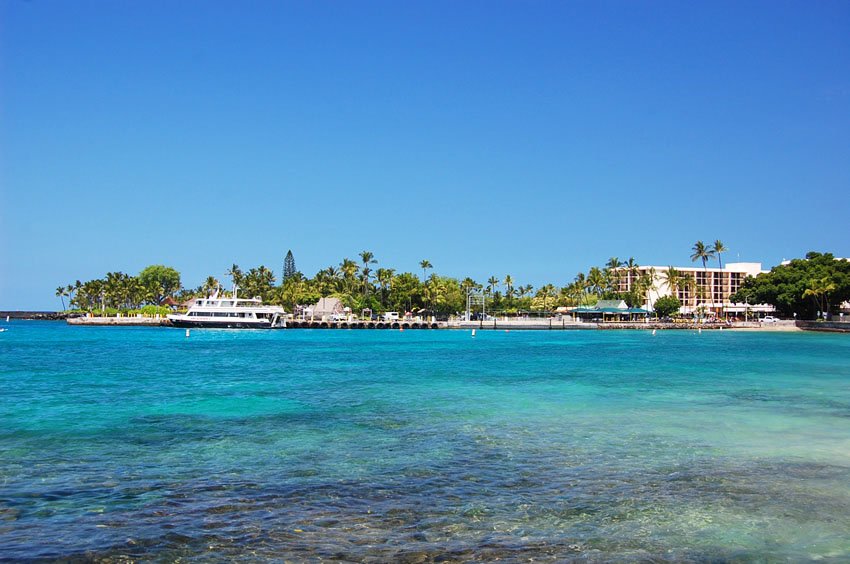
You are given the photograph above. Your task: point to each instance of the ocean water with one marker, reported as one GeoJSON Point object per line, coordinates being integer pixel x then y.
{"type": "Point", "coordinates": [414, 446]}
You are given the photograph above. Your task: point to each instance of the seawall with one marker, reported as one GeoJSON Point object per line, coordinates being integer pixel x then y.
{"type": "Point", "coordinates": [830, 326]}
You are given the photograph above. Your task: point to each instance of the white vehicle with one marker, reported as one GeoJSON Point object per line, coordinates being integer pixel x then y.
{"type": "Point", "coordinates": [769, 319]}
{"type": "Point", "coordinates": [339, 317]}
{"type": "Point", "coordinates": [391, 316]}
{"type": "Point", "coordinates": [230, 313]}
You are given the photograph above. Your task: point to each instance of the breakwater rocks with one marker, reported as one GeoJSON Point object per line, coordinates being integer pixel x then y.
{"type": "Point", "coordinates": [41, 315]}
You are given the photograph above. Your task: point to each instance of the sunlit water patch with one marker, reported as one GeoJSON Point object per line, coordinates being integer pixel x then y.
{"type": "Point", "coordinates": [423, 446]}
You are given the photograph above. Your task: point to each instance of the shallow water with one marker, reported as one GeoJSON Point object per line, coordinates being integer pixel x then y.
{"type": "Point", "coordinates": [423, 445]}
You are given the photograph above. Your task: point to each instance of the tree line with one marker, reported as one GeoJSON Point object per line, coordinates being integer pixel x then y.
{"type": "Point", "coordinates": [364, 284]}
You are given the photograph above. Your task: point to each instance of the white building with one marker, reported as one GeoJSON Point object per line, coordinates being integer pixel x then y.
{"type": "Point", "coordinates": [699, 289]}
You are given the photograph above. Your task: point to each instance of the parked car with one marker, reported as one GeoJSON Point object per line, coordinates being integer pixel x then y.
{"type": "Point", "coordinates": [769, 319]}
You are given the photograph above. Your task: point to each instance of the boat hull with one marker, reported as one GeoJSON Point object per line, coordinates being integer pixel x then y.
{"type": "Point", "coordinates": [223, 324]}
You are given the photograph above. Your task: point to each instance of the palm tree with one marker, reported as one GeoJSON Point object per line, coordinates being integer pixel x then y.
{"type": "Point", "coordinates": [546, 292]}
{"type": "Point", "coordinates": [509, 288]}
{"type": "Point", "coordinates": [703, 253]}
{"type": "Point", "coordinates": [818, 289]}
{"type": "Point", "coordinates": [61, 292]}
{"type": "Point", "coordinates": [210, 284]}
{"type": "Point", "coordinates": [492, 282]}
{"type": "Point", "coordinates": [73, 289]}
{"type": "Point", "coordinates": [613, 265]}
{"type": "Point", "coordinates": [385, 278]}
{"type": "Point", "coordinates": [235, 274]}
{"type": "Point", "coordinates": [349, 269]}
{"type": "Point", "coordinates": [596, 280]}
{"type": "Point", "coordinates": [687, 284]}
{"type": "Point", "coordinates": [644, 284]}
{"type": "Point", "coordinates": [631, 270]}
{"type": "Point", "coordinates": [719, 248]}
{"type": "Point", "coordinates": [673, 279]}
{"type": "Point", "coordinates": [367, 258]}
{"type": "Point", "coordinates": [581, 282]}
{"type": "Point", "coordinates": [424, 264]}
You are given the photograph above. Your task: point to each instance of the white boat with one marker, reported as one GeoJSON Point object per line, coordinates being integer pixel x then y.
{"type": "Point", "coordinates": [230, 313]}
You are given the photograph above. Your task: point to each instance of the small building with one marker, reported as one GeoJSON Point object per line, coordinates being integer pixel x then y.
{"type": "Point", "coordinates": [609, 310]}
{"type": "Point", "coordinates": [326, 308]}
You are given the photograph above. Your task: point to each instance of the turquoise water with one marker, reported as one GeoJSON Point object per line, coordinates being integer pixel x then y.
{"type": "Point", "coordinates": [423, 445]}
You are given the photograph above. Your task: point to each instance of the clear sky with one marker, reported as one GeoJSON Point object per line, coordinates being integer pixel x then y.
{"type": "Point", "coordinates": [534, 139]}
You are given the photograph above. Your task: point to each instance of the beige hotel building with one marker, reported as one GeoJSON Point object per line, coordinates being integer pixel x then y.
{"type": "Point", "coordinates": [710, 292]}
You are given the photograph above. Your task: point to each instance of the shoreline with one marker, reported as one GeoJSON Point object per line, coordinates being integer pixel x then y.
{"type": "Point", "coordinates": [552, 324]}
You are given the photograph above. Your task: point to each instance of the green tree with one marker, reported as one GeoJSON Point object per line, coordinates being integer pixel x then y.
{"type": "Point", "coordinates": [210, 285]}
{"type": "Point", "coordinates": [61, 292]}
{"type": "Point", "coordinates": [492, 282]}
{"type": "Point", "coordinates": [384, 276]}
{"type": "Point", "coordinates": [288, 266]}
{"type": "Point", "coordinates": [785, 286]}
{"type": "Point", "coordinates": [367, 258]}
{"type": "Point", "coordinates": [673, 279]}
{"type": "Point", "coordinates": [424, 265]}
{"type": "Point", "coordinates": [545, 294]}
{"type": "Point", "coordinates": [666, 306]}
{"type": "Point", "coordinates": [717, 250]}
{"type": "Point", "coordinates": [235, 274]}
{"type": "Point", "coordinates": [160, 282]}
{"type": "Point", "coordinates": [509, 289]}
{"type": "Point", "coordinates": [818, 289]}
{"type": "Point", "coordinates": [405, 293]}
{"type": "Point", "coordinates": [703, 253]}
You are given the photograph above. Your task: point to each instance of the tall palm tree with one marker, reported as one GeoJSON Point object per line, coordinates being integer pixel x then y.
{"type": "Point", "coordinates": [367, 258]}
{"type": "Point", "coordinates": [717, 249]}
{"type": "Point", "coordinates": [385, 278]}
{"type": "Point", "coordinates": [424, 264]}
{"type": "Point", "coordinates": [688, 284]}
{"type": "Point", "coordinates": [581, 282]}
{"type": "Point", "coordinates": [348, 268]}
{"type": "Point", "coordinates": [492, 282]}
{"type": "Point", "coordinates": [673, 279]}
{"type": "Point", "coordinates": [61, 292]}
{"type": "Point", "coordinates": [632, 268]}
{"type": "Point", "coordinates": [613, 265]}
{"type": "Point", "coordinates": [509, 288]}
{"type": "Point", "coordinates": [703, 253]}
{"type": "Point", "coordinates": [546, 292]}
{"type": "Point", "coordinates": [644, 284]}
{"type": "Point", "coordinates": [210, 285]}
{"type": "Point", "coordinates": [235, 274]}
{"type": "Point", "coordinates": [596, 280]}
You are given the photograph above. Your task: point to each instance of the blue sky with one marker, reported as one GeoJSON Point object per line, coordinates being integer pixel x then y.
{"type": "Point", "coordinates": [527, 138]}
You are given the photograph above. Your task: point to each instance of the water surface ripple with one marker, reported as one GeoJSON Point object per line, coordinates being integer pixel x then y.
{"type": "Point", "coordinates": [420, 446]}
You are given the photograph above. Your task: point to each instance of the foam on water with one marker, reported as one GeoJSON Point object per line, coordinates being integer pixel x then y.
{"type": "Point", "coordinates": [379, 445]}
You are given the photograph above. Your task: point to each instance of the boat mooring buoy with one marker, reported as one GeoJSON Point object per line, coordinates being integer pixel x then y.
{"type": "Point", "coordinates": [473, 332]}
{"type": "Point", "coordinates": [653, 331]}
{"type": "Point", "coordinates": [187, 332]}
